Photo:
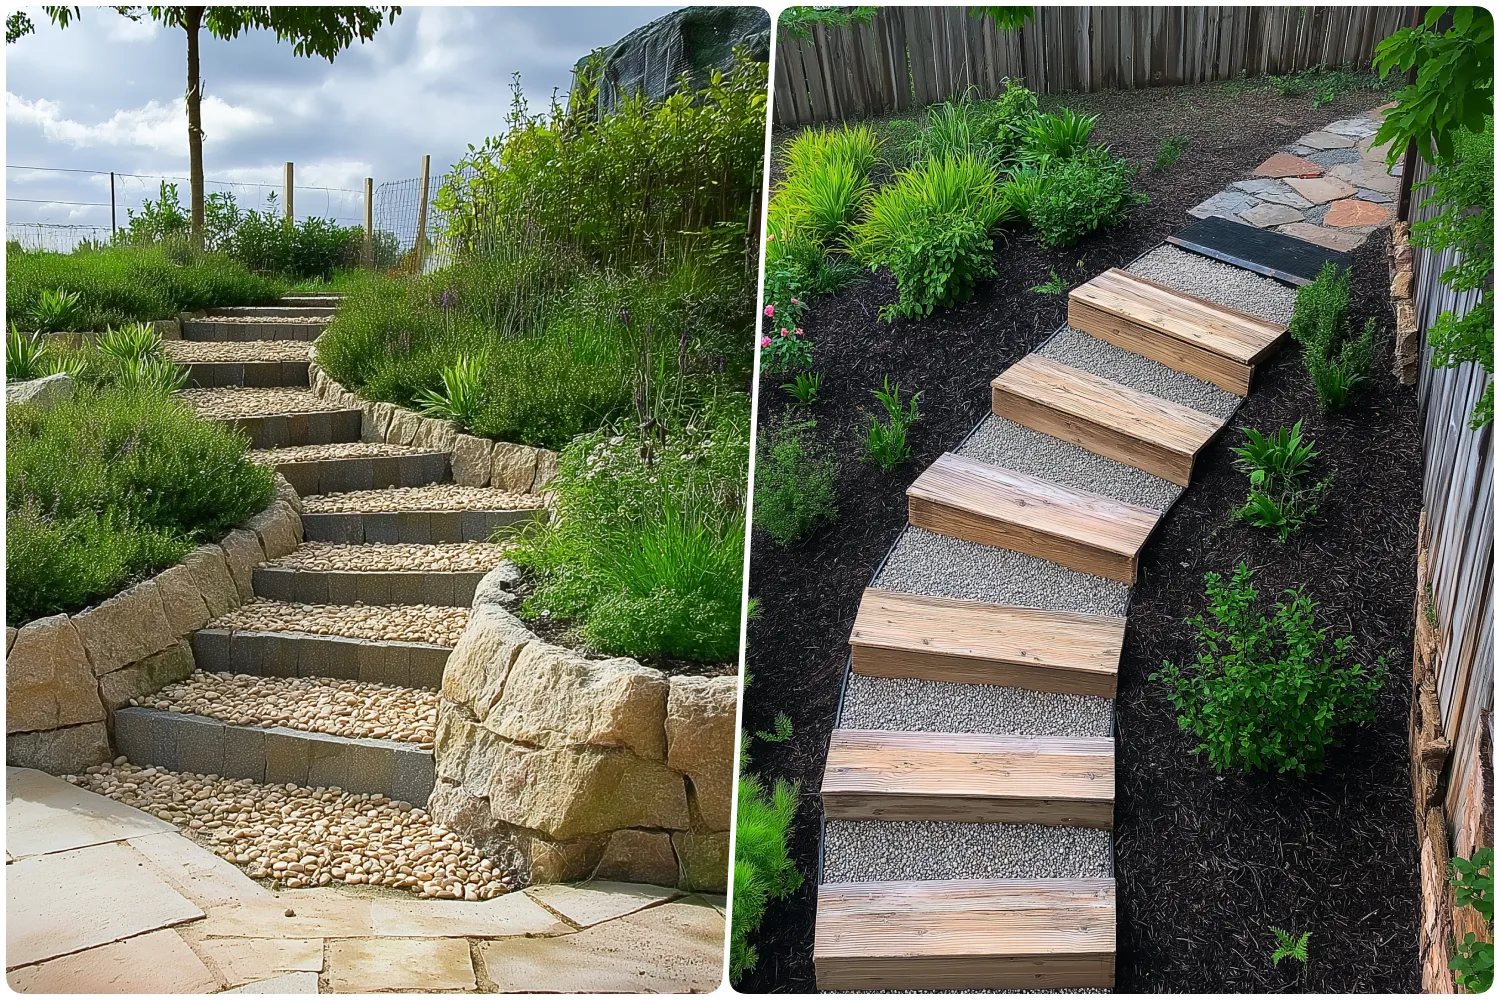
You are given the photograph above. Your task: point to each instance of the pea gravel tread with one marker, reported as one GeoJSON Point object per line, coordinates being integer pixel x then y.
{"type": "Point", "coordinates": [427, 623]}
{"type": "Point", "coordinates": [435, 497]}
{"type": "Point", "coordinates": [436, 557]}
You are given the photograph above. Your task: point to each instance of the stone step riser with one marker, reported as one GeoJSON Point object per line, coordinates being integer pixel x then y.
{"type": "Point", "coordinates": [285, 430]}
{"type": "Point", "coordinates": [348, 475]}
{"type": "Point", "coordinates": [250, 374]}
{"type": "Point", "coordinates": [298, 654]}
{"type": "Point", "coordinates": [294, 311]}
{"type": "Point", "coordinates": [421, 527]}
{"type": "Point", "coordinates": [313, 298]}
{"type": "Point", "coordinates": [270, 330]}
{"type": "Point", "coordinates": [274, 755]}
{"type": "Point", "coordinates": [308, 586]}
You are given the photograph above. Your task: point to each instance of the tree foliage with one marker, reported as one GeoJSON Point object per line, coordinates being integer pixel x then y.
{"type": "Point", "coordinates": [1455, 84]}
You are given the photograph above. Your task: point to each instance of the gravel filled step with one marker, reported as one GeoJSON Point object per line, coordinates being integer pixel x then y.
{"type": "Point", "coordinates": [1180, 330]}
{"type": "Point", "coordinates": [937, 638]}
{"type": "Point", "coordinates": [293, 653]}
{"type": "Point", "coordinates": [894, 851]}
{"type": "Point", "coordinates": [300, 836]}
{"type": "Point", "coordinates": [990, 505]}
{"type": "Point", "coordinates": [333, 706]}
{"type": "Point", "coordinates": [970, 777]}
{"type": "Point", "coordinates": [275, 755]}
{"type": "Point", "coordinates": [962, 934]}
{"type": "Point", "coordinates": [354, 466]}
{"type": "Point", "coordinates": [1107, 418]}
{"type": "Point", "coordinates": [276, 417]}
{"type": "Point", "coordinates": [423, 514]}
{"type": "Point", "coordinates": [436, 625]}
{"type": "Point", "coordinates": [914, 704]}
{"type": "Point", "coordinates": [253, 328]}
{"type": "Point", "coordinates": [255, 363]}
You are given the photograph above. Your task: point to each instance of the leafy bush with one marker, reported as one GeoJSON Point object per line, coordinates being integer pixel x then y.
{"type": "Point", "coordinates": [111, 486]}
{"type": "Point", "coordinates": [885, 443]}
{"type": "Point", "coordinates": [1267, 693]}
{"type": "Point", "coordinates": [1169, 152]}
{"type": "Point", "coordinates": [1091, 191]}
{"type": "Point", "coordinates": [127, 284]}
{"type": "Point", "coordinates": [312, 248]}
{"type": "Point", "coordinates": [646, 553]}
{"type": "Point", "coordinates": [931, 227]}
{"type": "Point", "coordinates": [1474, 885]}
{"type": "Point", "coordinates": [1336, 362]}
{"type": "Point", "coordinates": [763, 865]}
{"type": "Point", "coordinates": [1280, 499]}
{"type": "Point", "coordinates": [794, 481]}
{"type": "Point", "coordinates": [1020, 189]}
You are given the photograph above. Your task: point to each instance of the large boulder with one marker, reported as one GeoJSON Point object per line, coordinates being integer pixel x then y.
{"type": "Point", "coordinates": [568, 792]}
{"type": "Point", "coordinates": [42, 393]}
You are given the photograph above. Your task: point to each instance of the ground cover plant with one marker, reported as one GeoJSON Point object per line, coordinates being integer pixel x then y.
{"type": "Point", "coordinates": [1204, 862]}
{"type": "Point", "coordinates": [111, 486]}
{"type": "Point", "coordinates": [794, 480]}
{"type": "Point", "coordinates": [1279, 465]}
{"type": "Point", "coordinates": [763, 867]}
{"type": "Point", "coordinates": [1473, 881]}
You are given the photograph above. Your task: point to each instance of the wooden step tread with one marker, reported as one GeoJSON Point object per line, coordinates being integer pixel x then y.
{"type": "Point", "coordinates": [956, 934]}
{"type": "Point", "coordinates": [970, 777]}
{"type": "Point", "coordinates": [974, 642]}
{"type": "Point", "coordinates": [1117, 421]}
{"type": "Point", "coordinates": [984, 503]}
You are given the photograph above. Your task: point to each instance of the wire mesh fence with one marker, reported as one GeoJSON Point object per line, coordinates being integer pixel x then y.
{"type": "Point", "coordinates": [398, 208]}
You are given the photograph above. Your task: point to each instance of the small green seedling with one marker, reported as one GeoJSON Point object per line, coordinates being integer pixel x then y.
{"type": "Point", "coordinates": [1289, 947]}
{"type": "Point", "coordinates": [805, 389]}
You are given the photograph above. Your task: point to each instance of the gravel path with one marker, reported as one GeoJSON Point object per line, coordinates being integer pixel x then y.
{"type": "Point", "coordinates": [1008, 444]}
{"type": "Point", "coordinates": [440, 626]}
{"type": "Point", "coordinates": [449, 557]}
{"type": "Point", "coordinates": [323, 452]}
{"type": "Point", "coordinates": [187, 351]}
{"type": "Point", "coordinates": [237, 401]}
{"type": "Point", "coordinates": [299, 837]}
{"type": "Point", "coordinates": [1073, 347]}
{"type": "Point", "coordinates": [1229, 286]}
{"type": "Point", "coordinates": [439, 496]}
{"type": "Point", "coordinates": [881, 851]}
{"type": "Point", "coordinates": [357, 709]}
{"type": "Point", "coordinates": [924, 562]}
{"type": "Point", "coordinates": [914, 705]}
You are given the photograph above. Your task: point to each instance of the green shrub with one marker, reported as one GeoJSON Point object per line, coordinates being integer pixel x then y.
{"type": "Point", "coordinates": [312, 248]}
{"type": "Point", "coordinates": [1020, 189]}
{"type": "Point", "coordinates": [1336, 362]}
{"type": "Point", "coordinates": [931, 227]}
{"type": "Point", "coordinates": [25, 356]}
{"type": "Point", "coordinates": [1061, 135]}
{"type": "Point", "coordinates": [1169, 152]}
{"type": "Point", "coordinates": [1321, 313]}
{"type": "Point", "coordinates": [1267, 694]}
{"type": "Point", "coordinates": [127, 284]}
{"type": "Point", "coordinates": [795, 478]}
{"type": "Point", "coordinates": [885, 443]}
{"type": "Point", "coordinates": [646, 553]}
{"type": "Point", "coordinates": [821, 201]}
{"type": "Point", "coordinates": [763, 865]}
{"type": "Point", "coordinates": [112, 485]}
{"type": "Point", "coordinates": [1280, 498]}
{"type": "Point", "coordinates": [1077, 196]}
{"type": "Point", "coordinates": [1473, 881]}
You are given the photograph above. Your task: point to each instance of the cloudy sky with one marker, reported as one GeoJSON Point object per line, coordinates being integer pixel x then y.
{"type": "Point", "coordinates": [106, 94]}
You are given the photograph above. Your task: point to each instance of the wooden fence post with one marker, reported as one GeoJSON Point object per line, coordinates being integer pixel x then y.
{"type": "Point", "coordinates": [367, 254]}
{"type": "Point", "coordinates": [421, 245]}
{"type": "Point", "coordinates": [289, 190]}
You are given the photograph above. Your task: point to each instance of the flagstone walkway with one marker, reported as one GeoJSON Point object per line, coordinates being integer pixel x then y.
{"type": "Point", "coordinates": [1330, 187]}
{"type": "Point", "coordinates": [103, 898]}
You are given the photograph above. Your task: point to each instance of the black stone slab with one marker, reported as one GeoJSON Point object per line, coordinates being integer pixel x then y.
{"type": "Point", "coordinates": [1275, 255]}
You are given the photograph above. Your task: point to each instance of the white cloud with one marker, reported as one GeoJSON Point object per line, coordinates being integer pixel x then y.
{"type": "Point", "coordinates": [154, 125]}
{"type": "Point", "coordinates": [124, 29]}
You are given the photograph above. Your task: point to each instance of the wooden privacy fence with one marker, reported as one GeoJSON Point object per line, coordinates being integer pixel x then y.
{"type": "Point", "coordinates": [914, 56]}
{"type": "Point", "coordinates": [1454, 665]}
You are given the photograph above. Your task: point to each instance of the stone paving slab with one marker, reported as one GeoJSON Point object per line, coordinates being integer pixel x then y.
{"type": "Point", "coordinates": [57, 904]}
{"type": "Point", "coordinates": [514, 914]}
{"type": "Point", "coordinates": [158, 962]}
{"type": "Point", "coordinates": [199, 874]}
{"type": "Point", "coordinates": [242, 961]}
{"type": "Point", "coordinates": [595, 902]}
{"type": "Point", "coordinates": [44, 815]}
{"type": "Point", "coordinates": [292, 982]}
{"type": "Point", "coordinates": [428, 965]}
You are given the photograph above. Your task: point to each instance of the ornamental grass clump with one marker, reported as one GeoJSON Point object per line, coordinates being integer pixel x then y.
{"type": "Point", "coordinates": [1267, 693]}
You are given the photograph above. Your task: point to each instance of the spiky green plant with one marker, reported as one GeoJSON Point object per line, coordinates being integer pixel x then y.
{"type": "Point", "coordinates": [132, 342]}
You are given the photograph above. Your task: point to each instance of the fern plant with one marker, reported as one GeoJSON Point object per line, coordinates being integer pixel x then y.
{"type": "Point", "coordinates": [1289, 947]}
{"type": "Point", "coordinates": [461, 396]}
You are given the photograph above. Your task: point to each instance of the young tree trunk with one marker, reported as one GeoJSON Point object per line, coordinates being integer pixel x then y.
{"type": "Point", "coordinates": [192, 20]}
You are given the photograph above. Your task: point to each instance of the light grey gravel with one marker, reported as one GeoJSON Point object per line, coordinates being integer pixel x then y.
{"type": "Point", "coordinates": [1008, 444]}
{"type": "Point", "coordinates": [1332, 157]}
{"type": "Point", "coordinates": [1073, 347]}
{"type": "Point", "coordinates": [914, 705]}
{"type": "Point", "coordinates": [880, 851]}
{"type": "Point", "coordinates": [924, 562]}
{"type": "Point", "coordinates": [1229, 286]}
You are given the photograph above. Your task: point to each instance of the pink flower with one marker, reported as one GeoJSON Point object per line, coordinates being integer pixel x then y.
{"type": "Point", "coordinates": [765, 342]}
{"type": "Point", "coordinates": [798, 331]}
{"type": "Point", "coordinates": [770, 237]}
{"type": "Point", "coordinates": [794, 301]}
{"type": "Point", "coordinates": [783, 331]}
{"type": "Point", "coordinates": [770, 309]}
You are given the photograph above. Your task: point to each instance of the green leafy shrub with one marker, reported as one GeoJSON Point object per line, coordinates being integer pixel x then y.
{"type": "Point", "coordinates": [795, 477]}
{"type": "Point", "coordinates": [1474, 885]}
{"type": "Point", "coordinates": [1020, 189]}
{"type": "Point", "coordinates": [646, 553]}
{"type": "Point", "coordinates": [111, 486]}
{"type": "Point", "coordinates": [131, 343]}
{"type": "Point", "coordinates": [1169, 152]}
{"type": "Point", "coordinates": [25, 356]}
{"type": "Point", "coordinates": [1336, 362]}
{"type": "Point", "coordinates": [462, 393]}
{"type": "Point", "coordinates": [1077, 196]}
{"type": "Point", "coordinates": [311, 248]}
{"type": "Point", "coordinates": [55, 309]}
{"type": "Point", "coordinates": [128, 284]}
{"type": "Point", "coordinates": [1280, 498]}
{"type": "Point", "coordinates": [1060, 135]}
{"type": "Point", "coordinates": [1267, 694]}
{"type": "Point", "coordinates": [885, 443]}
{"type": "Point", "coordinates": [763, 865]}
{"type": "Point", "coordinates": [931, 227]}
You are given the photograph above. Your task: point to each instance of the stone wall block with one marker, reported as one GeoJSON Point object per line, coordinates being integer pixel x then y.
{"type": "Point", "coordinates": [48, 679]}
{"type": "Point", "coordinates": [127, 627]}
{"type": "Point", "coordinates": [700, 727]}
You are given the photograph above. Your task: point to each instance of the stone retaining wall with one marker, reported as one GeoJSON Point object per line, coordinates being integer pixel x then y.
{"type": "Point", "coordinates": [66, 675]}
{"type": "Point", "coordinates": [571, 768]}
{"type": "Point", "coordinates": [475, 461]}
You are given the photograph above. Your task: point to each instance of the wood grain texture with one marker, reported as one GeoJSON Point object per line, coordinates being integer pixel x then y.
{"type": "Point", "coordinates": [1226, 332]}
{"type": "Point", "coordinates": [956, 934]}
{"type": "Point", "coordinates": [972, 642]}
{"type": "Point", "coordinates": [970, 777]}
{"type": "Point", "coordinates": [982, 503]}
{"type": "Point", "coordinates": [1119, 422]}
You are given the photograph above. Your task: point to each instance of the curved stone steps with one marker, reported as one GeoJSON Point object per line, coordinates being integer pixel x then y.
{"type": "Point", "coordinates": [355, 466]}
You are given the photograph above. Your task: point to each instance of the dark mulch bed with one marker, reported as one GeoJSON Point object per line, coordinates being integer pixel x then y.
{"type": "Point", "coordinates": [808, 595]}
{"type": "Point", "coordinates": [1206, 864]}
